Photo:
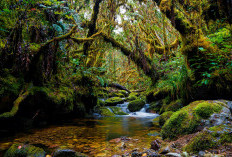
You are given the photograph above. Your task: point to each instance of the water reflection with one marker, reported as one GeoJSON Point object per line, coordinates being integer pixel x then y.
{"type": "Point", "coordinates": [92, 136]}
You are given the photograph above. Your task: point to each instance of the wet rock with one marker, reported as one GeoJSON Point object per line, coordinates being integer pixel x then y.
{"type": "Point", "coordinates": [136, 154]}
{"type": "Point", "coordinates": [136, 105]}
{"type": "Point", "coordinates": [184, 154]}
{"type": "Point", "coordinates": [155, 145]}
{"type": "Point", "coordinates": [123, 146]}
{"type": "Point", "coordinates": [67, 152]}
{"type": "Point", "coordinates": [21, 150]}
{"type": "Point", "coordinates": [173, 155]}
{"type": "Point", "coordinates": [114, 101]}
{"type": "Point", "coordinates": [201, 153]}
{"type": "Point", "coordinates": [165, 150]}
{"type": "Point", "coordinates": [150, 153]}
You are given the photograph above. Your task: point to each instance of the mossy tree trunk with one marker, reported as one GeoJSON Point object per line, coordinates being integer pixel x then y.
{"type": "Point", "coordinates": [22, 96]}
{"type": "Point", "coordinates": [195, 45]}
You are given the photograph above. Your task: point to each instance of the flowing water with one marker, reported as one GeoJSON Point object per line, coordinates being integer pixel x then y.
{"type": "Point", "coordinates": [97, 136]}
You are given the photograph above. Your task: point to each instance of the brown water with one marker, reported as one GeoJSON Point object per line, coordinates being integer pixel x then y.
{"type": "Point", "coordinates": [94, 137]}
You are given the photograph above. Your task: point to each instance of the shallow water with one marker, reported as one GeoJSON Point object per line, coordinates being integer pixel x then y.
{"type": "Point", "coordinates": [101, 137]}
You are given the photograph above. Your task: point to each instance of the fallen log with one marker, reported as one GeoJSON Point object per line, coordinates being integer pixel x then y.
{"type": "Point", "coordinates": [118, 86]}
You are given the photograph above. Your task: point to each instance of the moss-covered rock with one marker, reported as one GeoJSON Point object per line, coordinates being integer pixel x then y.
{"type": "Point", "coordinates": [205, 109]}
{"type": "Point", "coordinates": [174, 106]}
{"type": "Point", "coordinates": [155, 106]}
{"type": "Point", "coordinates": [21, 150]}
{"type": "Point", "coordinates": [117, 110]}
{"type": "Point", "coordinates": [209, 138]}
{"type": "Point", "coordinates": [187, 119]}
{"type": "Point", "coordinates": [125, 93]}
{"type": "Point", "coordinates": [164, 117]}
{"type": "Point", "coordinates": [201, 142]}
{"type": "Point", "coordinates": [134, 94]}
{"type": "Point", "coordinates": [131, 98]}
{"type": "Point", "coordinates": [104, 111]}
{"type": "Point", "coordinates": [136, 105]}
{"type": "Point", "coordinates": [156, 94]}
{"type": "Point", "coordinates": [156, 121]}
{"type": "Point", "coordinates": [113, 101]}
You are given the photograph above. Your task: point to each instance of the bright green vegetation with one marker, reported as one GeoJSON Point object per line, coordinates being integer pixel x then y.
{"type": "Point", "coordinates": [164, 117]}
{"type": "Point", "coordinates": [205, 109]}
{"type": "Point", "coordinates": [186, 120]}
{"type": "Point", "coordinates": [136, 105]}
{"type": "Point", "coordinates": [113, 101]}
{"type": "Point", "coordinates": [104, 111]}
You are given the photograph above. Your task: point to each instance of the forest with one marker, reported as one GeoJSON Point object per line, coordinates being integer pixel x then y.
{"type": "Point", "coordinates": [111, 78]}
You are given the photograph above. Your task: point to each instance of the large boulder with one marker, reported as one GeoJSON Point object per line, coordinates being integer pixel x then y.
{"type": "Point", "coordinates": [114, 101]}
{"type": "Point", "coordinates": [194, 117]}
{"type": "Point", "coordinates": [136, 105]}
{"type": "Point", "coordinates": [164, 117]}
{"type": "Point", "coordinates": [24, 150]}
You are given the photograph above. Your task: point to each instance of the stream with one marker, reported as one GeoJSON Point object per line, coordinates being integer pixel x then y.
{"type": "Point", "coordinates": [99, 136]}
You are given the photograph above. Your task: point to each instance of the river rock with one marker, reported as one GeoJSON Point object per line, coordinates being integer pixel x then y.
{"type": "Point", "coordinates": [114, 101]}
{"type": "Point", "coordinates": [67, 153]}
{"type": "Point", "coordinates": [155, 145]}
{"type": "Point", "coordinates": [165, 150]}
{"type": "Point", "coordinates": [184, 154]}
{"type": "Point", "coordinates": [173, 155]}
{"type": "Point", "coordinates": [136, 154]}
{"type": "Point", "coordinates": [136, 105]}
{"type": "Point", "coordinates": [201, 153]}
{"type": "Point", "coordinates": [21, 150]}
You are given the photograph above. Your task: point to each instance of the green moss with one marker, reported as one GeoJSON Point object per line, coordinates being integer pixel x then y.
{"type": "Point", "coordinates": [131, 98]}
{"type": "Point", "coordinates": [136, 105]}
{"type": "Point", "coordinates": [164, 117]}
{"type": "Point", "coordinates": [202, 141]}
{"type": "Point", "coordinates": [156, 121]}
{"type": "Point", "coordinates": [186, 120]}
{"type": "Point", "coordinates": [113, 101]}
{"type": "Point", "coordinates": [205, 109]}
{"type": "Point", "coordinates": [102, 94]}
{"type": "Point", "coordinates": [104, 111]}
{"type": "Point", "coordinates": [24, 150]}
{"type": "Point", "coordinates": [100, 103]}
{"type": "Point", "coordinates": [174, 106]}
{"type": "Point", "coordinates": [117, 110]}
{"type": "Point", "coordinates": [133, 94]}
{"type": "Point", "coordinates": [125, 93]}
{"type": "Point", "coordinates": [222, 133]}
{"type": "Point", "coordinates": [155, 106]}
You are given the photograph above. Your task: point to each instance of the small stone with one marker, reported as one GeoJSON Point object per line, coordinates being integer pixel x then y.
{"type": "Point", "coordinates": [185, 154]}
{"type": "Point", "coordinates": [165, 150]}
{"type": "Point", "coordinates": [201, 153]}
{"type": "Point", "coordinates": [135, 154]}
{"type": "Point", "coordinates": [173, 155]}
{"type": "Point", "coordinates": [155, 145]}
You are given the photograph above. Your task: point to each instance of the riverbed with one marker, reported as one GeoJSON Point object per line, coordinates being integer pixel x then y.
{"type": "Point", "coordinates": [105, 136]}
